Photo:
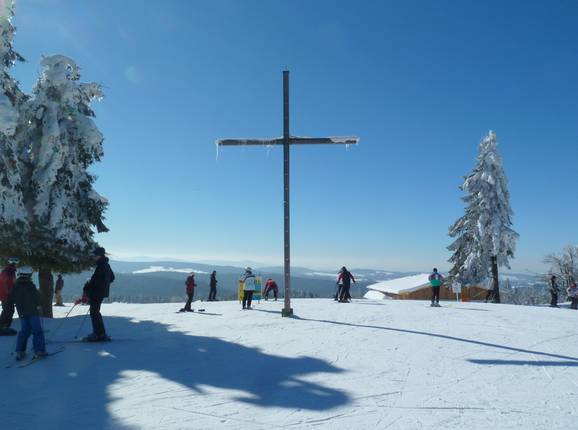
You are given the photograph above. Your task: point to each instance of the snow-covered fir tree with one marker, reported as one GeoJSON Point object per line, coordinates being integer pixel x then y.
{"type": "Point", "coordinates": [59, 144]}
{"type": "Point", "coordinates": [484, 239]}
{"type": "Point", "coordinates": [13, 222]}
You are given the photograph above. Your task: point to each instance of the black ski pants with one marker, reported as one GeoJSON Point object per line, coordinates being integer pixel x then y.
{"type": "Point", "coordinates": [96, 317]}
{"type": "Point", "coordinates": [189, 300]}
{"type": "Point", "coordinates": [574, 304]}
{"type": "Point", "coordinates": [7, 313]}
{"type": "Point", "coordinates": [212, 294]}
{"type": "Point", "coordinates": [247, 298]}
{"type": "Point", "coordinates": [344, 293]}
{"type": "Point", "coordinates": [554, 301]}
{"type": "Point", "coordinates": [268, 290]}
{"type": "Point", "coordinates": [435, 294]}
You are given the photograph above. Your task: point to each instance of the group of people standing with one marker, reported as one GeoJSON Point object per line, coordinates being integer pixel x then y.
{"type": "Point", "coordinates": [571, 291]}
{"type": "Point", "coordinates": [18, 293]}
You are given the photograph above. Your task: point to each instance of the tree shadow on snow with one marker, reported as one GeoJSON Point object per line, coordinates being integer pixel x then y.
{"type": "Point", "coordinates": [76, 388]}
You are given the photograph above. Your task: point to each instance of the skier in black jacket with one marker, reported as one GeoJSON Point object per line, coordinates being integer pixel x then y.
{"type": "Point", "coordinates": [213, 287]}
{"type": "Point", "coordinates": [97, 289]}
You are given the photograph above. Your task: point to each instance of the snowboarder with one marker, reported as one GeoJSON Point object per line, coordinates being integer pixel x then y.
{"type": "Point", "coordinates": [7, 278]}
{"type": "Point", "coordinates": [25, 296]}
{"type": "Point", "coordinates": [271, 285]}
{"type": "Point", "coordinates": [213, 287]}
{"type": "Point", "coordinates": [436, 280]}
{"type": "Point", "coordinates": [248, 280]}
{"type": "Point", "coordinates": [344, 283]}
{"type": "Point", "coordinates": [58, 291]}
{"type": "Point", "coordinates": [572, 292]}
{"type": "Point", "coordinates": [554, 290]}
{"type": "Point", "coordinates": [191, 284]}
{"type": "Point", "coordinates": [96, 290]}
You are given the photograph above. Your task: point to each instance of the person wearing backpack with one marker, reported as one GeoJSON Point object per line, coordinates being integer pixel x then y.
{"type": "Point", "coordinates": [436, 280]}
{"type": "Point", "coordinates": [248, 280]}
{"type": "Point", "coordinates": [344, 284]}
{"type": "Point", "coordinates": [7, 278]}
{"type": "Point", "coordinates": [96, 290]}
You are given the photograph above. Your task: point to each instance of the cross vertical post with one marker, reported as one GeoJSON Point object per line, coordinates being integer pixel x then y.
{"type": "Point", "coordinates": [287, 140]}
{"type": "Point", "coordinates": [287, 311]}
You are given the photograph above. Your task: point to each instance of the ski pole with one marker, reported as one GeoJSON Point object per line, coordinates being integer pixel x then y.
{"type": "Point", "coordinates": [61, 323]}
{"type": "Point", "coordinates": [82, 323]}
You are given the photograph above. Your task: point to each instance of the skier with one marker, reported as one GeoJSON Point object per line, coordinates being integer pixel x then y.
{"type": "Point", "coordinates": [248, 280]}
{"type": "Point", "coordinates": [7, 278]}
{"type": "Point", "coordinates": [572, 292]}
{"type": "Point", "coordinates": [96, 290]}
{"type": "Point", "coordinates": [58, 291]}
{"type": "Point", "coordinates": [271, 285]}
{"type": "Point", "coordinates": [344, 279]}
{"type": "Point", "coordinates": [25, 296]}
{"type": "Point", "coordinates": [191, 284]}
{"type": "Point", "coordinates": [554, 290]}
{"type": "Point", "coordinates": [436, 280]}
{"type": "Point", "coordinates": [213, 287]}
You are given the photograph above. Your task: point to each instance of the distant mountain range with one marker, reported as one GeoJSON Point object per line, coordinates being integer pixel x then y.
{"type": "Point", "coordinates": [163, 281]}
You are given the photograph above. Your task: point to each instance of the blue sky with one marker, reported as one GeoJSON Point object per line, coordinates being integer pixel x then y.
{"type": "Point", "coordinates": [420, 82]}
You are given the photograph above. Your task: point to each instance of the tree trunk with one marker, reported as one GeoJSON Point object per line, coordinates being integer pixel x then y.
{"type": "Point", "coordinates": [496, 282]}
{"type": "Point", "coordinates": [46, 283]}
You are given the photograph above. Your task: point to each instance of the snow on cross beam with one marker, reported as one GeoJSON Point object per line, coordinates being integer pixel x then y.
{"type": "Point", "coordinates": [294, 140]}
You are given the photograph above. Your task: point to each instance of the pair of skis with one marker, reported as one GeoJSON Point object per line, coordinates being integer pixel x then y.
{"type": "Point", "coordinates": [33, 360]}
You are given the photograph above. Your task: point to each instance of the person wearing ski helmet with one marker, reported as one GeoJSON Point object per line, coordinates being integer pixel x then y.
{"type": "Point", "coordinates": [271, 285]}
{"type": "Point", "coordinates": [344, 283]}
{"type": "Point", "coordinates": [27, 301]}
{"type": "Point", "coordinates": [248, 280]}
{"type": "Point", "coordinates": [7, 278]}
{"type": "Point", "coordinates": [58, 291]}
{"type": "Point", "coordinates": [436, 280]}
{"type": "Point", "coordinates": [97, 289]}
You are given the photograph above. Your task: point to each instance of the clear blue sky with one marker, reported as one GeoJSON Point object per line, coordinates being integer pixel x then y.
{"type": "Point", "coordinates": [420, 82]}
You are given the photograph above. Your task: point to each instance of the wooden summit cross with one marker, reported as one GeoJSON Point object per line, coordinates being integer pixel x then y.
{"type": "Point", "coordinates": [286, 141]}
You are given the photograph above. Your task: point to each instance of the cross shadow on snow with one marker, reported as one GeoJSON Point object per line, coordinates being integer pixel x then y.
{"type": "Point", "coordinates": [76, 387]}
{"type": "Point", "coordinates": [446, 337]}
{"type": "Point", "coordinates": [526, 363]}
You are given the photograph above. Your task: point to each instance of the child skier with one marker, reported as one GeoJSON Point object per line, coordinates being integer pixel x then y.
{"type": "Point", "coordinates": [26, 299]}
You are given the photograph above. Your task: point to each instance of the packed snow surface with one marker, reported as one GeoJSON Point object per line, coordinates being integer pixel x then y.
{"type": "Point", "coordinates": [365, 365]}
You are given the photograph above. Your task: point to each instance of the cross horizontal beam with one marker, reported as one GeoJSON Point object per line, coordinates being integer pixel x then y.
{"type": "Point", "coordinates": [293, 140]}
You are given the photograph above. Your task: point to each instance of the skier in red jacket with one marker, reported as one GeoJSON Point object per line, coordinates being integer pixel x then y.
{"type": "Point", "coordinates": [190, 283]}
{"type": "Point", "coordinates": [7, 278]}
{"type": "Point", "coordinates": [271, 285]}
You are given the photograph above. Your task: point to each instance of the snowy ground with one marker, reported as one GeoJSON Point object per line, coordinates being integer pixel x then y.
{"type": "Point", "coordinates": [365, 365]}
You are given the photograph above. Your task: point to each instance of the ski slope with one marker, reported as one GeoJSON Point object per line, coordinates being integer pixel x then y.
{"type": "Point", "coordinates": [365, 365]}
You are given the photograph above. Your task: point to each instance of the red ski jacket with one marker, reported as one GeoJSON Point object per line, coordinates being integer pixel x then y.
{"type": "Point", "coordinates": [7, 278]}
{"type": "Point", "coordinates": [190, 284]}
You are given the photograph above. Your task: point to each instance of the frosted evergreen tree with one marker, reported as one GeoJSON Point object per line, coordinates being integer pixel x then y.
{"type": "Point", "coordinates": [484, 239]}
{"type": "Point", "coordinates": [12, 214]}
{"type": "Point", "coordinates": [55, 150]}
